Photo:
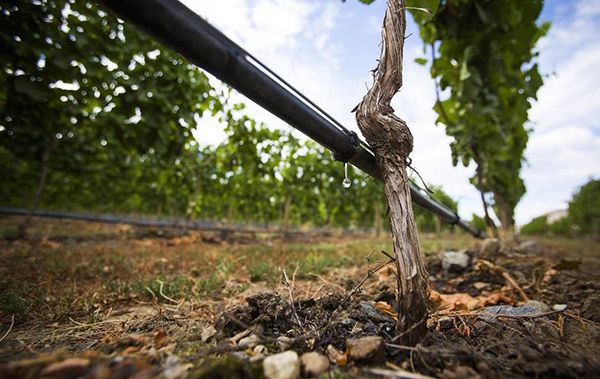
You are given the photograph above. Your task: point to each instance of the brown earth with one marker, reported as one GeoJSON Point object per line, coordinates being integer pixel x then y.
{"type": "Point", "coordinates": [115, 302]}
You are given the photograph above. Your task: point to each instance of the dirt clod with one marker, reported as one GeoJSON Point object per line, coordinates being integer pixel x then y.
{"type": "Point", "coordinates": [189, 308]}
{"type": "Point", "coordinates": [366, 349]}
{"type": "Point", "coordinates": [591, 308]}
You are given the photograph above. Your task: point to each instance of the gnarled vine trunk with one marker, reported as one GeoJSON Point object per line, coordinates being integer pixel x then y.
{"type": "Point", "coordinates": [392, 143]}
{"type": "Point", "coordinates": [505, 212]}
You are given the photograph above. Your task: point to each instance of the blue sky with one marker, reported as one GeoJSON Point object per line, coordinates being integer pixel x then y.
{"type": "Point", "coordinates": [326, 49]}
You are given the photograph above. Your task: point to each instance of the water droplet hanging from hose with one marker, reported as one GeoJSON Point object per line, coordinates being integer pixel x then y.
{"type": "Point", "coordinates": [346, 182]}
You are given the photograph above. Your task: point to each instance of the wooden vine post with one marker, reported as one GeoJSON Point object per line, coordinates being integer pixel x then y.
{"type": "Point", "coordinates": [392, 142]}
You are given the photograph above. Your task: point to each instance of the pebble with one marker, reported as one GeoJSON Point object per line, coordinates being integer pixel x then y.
{"type": "Point", "coordinates": [250, 341]}
{"type": "Point", "coordinates": [542, 307]}
{"type": "Point", "coordinates": [455, 260]}
{"type": "Point", "coordinates": [208, 333]}
{"type": "Point", "coordinates": [336, 356]}
{"type": "Point", "coordinates": [510, 310]}
{"type": "Point", "coordinates": [284, 365]}
{"type": "Point", "coordinates": [284, 343]}
{"type": "Point", "coordinates": [261, 349]}
{"type": "Point", "coordinates": [559, 307]}
{"type": "Point", "coordinates": [445, 323]}
{"type": "Point", "coordinates": [373, 314]}
{"type": "Point", "coordinates": [529, 324]}
{"type": "Point", "coordinates": [314, 363]}
{"type": "Point", "coordinates": [366, 349]}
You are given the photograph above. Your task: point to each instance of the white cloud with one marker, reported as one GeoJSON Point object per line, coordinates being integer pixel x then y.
{"type": "Point", "coordinates": [325, 49]}
{"type": "Point", "coordinates": [290, 37]}
{"type": "Point", "coordinates": [564, 148]}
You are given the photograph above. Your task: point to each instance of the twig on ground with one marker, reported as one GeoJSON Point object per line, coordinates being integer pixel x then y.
{"type": "Point", "coordinates": [356, 288]}
{"type": "Point", "coordinates": [84, 325]}
{"type": "Point", "coordinates": [579, 318]}
{"type": "Point", "coordinates": [509, 279]}
{"type": "Point", "coordinates": [160, 291]}
{"type": "Point", "coordinates": [403, 347]}
{"type": "Point", "coordinates": [151, 292]}
{"type": "Point", "coordinates": [290, 287]}
{"type": "Point", "coordinates": [12, 323]}
{"type": "Point", "coordinates": [246, 327]}
{"type": "Point", "coordinates": [327, 282]}
{"type": "Point", "coordinates": [422, 350]}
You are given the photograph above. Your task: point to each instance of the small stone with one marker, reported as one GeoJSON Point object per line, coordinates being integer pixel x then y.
{"type": "Point", "coordinates": [559, 307]}
{"type": "Point", "coordinates": [284, 365]}
{"type": "Point", "coordinates": [208, 333]}
{"type": "Point", "coordinates": [70, 367]}
{"type": "Point", "coordinates": [366, 349]}
{"type": "Point", "coordinates": [314, 363]}
{"type": "Point", "coordinates": [249, 342]}
{"type": "Point", "coordinates": [529, 247]}
{"type": "Point", "coordinates": [257, 357]}
{"type": "Point", "coordinates": [490, 247]}
{"type": "Point", "coordinates": [260, 349]}
{"type": "Point", "coordinates": [505, 310]}
{"type": "Point", "coordinates": [336, 356]}
{"type": "Point", "coordinates": [445, 323]}
{"type": "Point", "coordinates": [373, 314]}
{"type": "Point", "coordinates": [285, 342]}
{"type": "Point", "coordinates": [455, 260]}
{"type": "Point", "coordinates": [480, 285]}
{"type": "Point", "coordinates": [542, 307]}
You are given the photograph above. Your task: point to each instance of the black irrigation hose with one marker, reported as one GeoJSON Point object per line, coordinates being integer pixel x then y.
{"type": "Point", "coordinates": [200, 225]}
{"type": "Point", "coordinates": [185, 32]}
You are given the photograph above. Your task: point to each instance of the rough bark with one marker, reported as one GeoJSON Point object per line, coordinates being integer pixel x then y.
{"type": "Point", "coordinates": [505, 214]}
{"type": "Point", "coordinates": [392, 142]}
{"type": "Point", "coordinates": [491, 226]}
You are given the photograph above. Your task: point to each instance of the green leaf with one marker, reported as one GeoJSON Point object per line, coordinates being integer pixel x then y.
{"type": "Point", "coordinates": [32, 89]}
{"type": "Point", "coordinates": [486, 58]}
{"type": "Point", "coordinates": [421, 61]}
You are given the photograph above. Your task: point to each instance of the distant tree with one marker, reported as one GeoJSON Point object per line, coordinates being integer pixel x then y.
{"type": "Point", "coordinates": [428, 221]}
{"type": "Point", "coordinates": [584, 209]}
{"type": "Point", "coordinates": [483, 51]}
{"type": "Point", "coordinates": [478, 222]}
{"type": "Point", "coordinates": [562, 227]}
{"type": "Point", "coordinates": [86, 97]}
{"type": "Point", "coordinates": [537, 226]}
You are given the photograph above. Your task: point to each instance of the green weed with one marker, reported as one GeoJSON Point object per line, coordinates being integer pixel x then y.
{"type": "Point", "coordinates": [210, 285]}
{"type": "Point", "coordinates": [262, 271]}
{"type": "Point", "coordinates": [12, 304]}
{"type": "Point", "coordinates": [318, 263]}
